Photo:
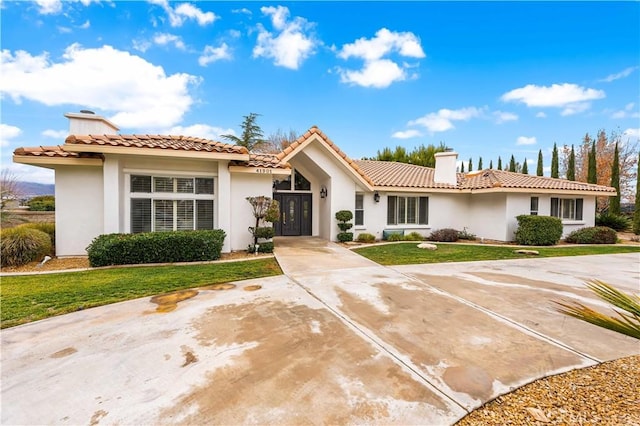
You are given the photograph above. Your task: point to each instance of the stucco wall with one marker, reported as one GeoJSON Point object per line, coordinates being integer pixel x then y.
{"type": "Point", "coordinates": [245, 185]}
{"type": "Point", "coordinates": [487, 214]}
{"type": "Point", "coordinates": [79, 208]}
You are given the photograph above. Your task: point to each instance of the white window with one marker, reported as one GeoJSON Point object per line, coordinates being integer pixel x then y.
{"type": "Point", "coordinates": [534, 206]}
{"type": "Point", "coordinates": [164, 203]}
{"type": "Point", "coordinates": [567, 208]}
{"type": "Point", "coordinates": [359, 219]}
{"type": "Point", "coordinates": [407, 210]}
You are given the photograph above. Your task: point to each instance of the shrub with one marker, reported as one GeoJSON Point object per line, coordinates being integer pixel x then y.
{"type": "Point", "coordinates": [155, 247]}
{"type": "Point", "coordinates": [614, 221]}
{"type": "Point", "coordinates": [593, 235]}
{"type": "Point", "coordinates": [266, 247]}
{"type": "Point", "coordinates": [413, 236]}
{"type": "Point", "coordinates": [447, 235]}
{"type": "Point", "coordinates": [466, 235]}
{"type": "Point", "coordinates": [265, 232]}
{"type": "Point", "coordinates": [538, 230]}
{"type": "Point", "coordinates": [42, 203]}
{"type": "Point", "coordinates": [343, 237]}
{"type": "Point", "coordinates": [46, 227]}
{"type": "Point", "coordinates": [395, 237]}
{"type": "Point", "coordinates": [22, 245]}
{"type": "Point", "coordinates": [366, 238]}
{"type": "Point", "coordinates": [344, 215]}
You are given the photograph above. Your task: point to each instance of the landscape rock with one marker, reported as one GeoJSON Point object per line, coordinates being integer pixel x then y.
{"type": "Point", "coordinates": [427, 246]}
{"type": "Point", "coordinates": [529, 252]}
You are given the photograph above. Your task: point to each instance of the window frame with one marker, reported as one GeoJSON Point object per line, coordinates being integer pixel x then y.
{"type": "Point", "coordinates": [402, 205]}
{"type": "Point", "coordinates": [357, 210]}
{"type": "Point", "coordinates": [575, 206]}
{"type": "Point", "coordinates": [534, 210]}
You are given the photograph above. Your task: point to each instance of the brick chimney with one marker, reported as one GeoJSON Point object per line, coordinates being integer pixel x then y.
{"type": "Point", "coordinates": [87, 122]}
{"type": "Point", "coordinates": [446, 167]}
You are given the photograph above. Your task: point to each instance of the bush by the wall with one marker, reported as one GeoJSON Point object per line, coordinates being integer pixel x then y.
{"type": "Point", "coordinates": [366, 238]}
{"type": "Point", "coordinates": [395, 237]}
{"type": "Point", "coordinates": [265, 247]}
{"type": "Point", "coordinates": [343, 237]}
{"type": "Point", "coordinates": [155, 247]}
{"type": "Point", "coordinates": [344, 216]}
{"type": "Point", "coordinates": [42, 203]}
{"type": "Point", "coordinates": [265, 232]}
{"type": "Point", "coordinates": [413, 236]}
{"type": "Point", "coordinates": [466, 235]}
{"type": "Point", "coordinates": [593, 235]}
{"type": "Point", "coordinates": [538, 230]}
{"type": "Point", "coordinates": [616, 222]}
{"type": "Point", "coordinates": [22, 245]}
{"type": "Point", "coordinates": [447, 235]}
{"type": "Point", "coordinates": [46, 227]}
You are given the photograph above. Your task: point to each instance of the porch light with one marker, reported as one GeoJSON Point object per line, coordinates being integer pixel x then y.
{"type": "Point", "coordinates": [376, 197]}
{"type": "Point", "coordinates": [323, 192]}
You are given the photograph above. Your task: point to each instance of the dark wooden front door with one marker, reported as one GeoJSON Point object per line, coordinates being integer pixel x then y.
{"type": "Point", "coordinates": [295, 214]}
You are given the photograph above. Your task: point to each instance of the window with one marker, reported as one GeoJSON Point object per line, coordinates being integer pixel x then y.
{"type": "Point", "coordinates": [567, 208]}
{"type": "Point", "coordinates": [359, 219]}
{"type": "Point", "coordinates": [534, 206]}
{"type": "Point", "coordinates": [161, 203]}
{"type": "Point", "coordinates": [407, 210]}
{"type": "Point", "coordinates": [296, 182]}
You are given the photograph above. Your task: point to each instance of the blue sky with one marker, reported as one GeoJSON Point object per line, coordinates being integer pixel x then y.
{"type": "Point", "coordinates": [488, 79]}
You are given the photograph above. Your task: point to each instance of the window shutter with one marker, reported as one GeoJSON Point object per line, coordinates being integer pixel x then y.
{"type": "Point", "coordinates": [141, 214]}
{"type": "Point", "coordinates": [423, 211]}
{"type": "Point", "coordinates": [579, 202]}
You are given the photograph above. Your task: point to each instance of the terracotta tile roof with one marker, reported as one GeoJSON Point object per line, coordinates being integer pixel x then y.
{"type": "Point", "coordinates": [262, 160]}
{"type": "Point", "coordinates": [185, 143]}
{"type": "Point", "coordinates": [400, 175]}
{"type": "Point", "coordinates": [501, 178]}
{"type": "Point", "coordinates": [315, 131]}
{"type": "Point", "coordinates": [53, 151]}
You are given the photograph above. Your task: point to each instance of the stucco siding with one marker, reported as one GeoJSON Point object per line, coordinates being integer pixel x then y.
{"type": "Point", "coordinates": [517, 204]}
{"type": "Point", "coordinates": [487, 213]}
{"type": "Point", "coordinates": [245, 185]}
{"type": "Point", "coordinates": [79, 208]}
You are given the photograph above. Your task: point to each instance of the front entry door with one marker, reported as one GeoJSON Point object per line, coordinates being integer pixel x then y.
{"type": "Point", "coordinates": [295, 214]}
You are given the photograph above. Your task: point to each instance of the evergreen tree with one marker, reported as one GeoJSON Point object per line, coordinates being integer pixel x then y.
{"type": "Point", "coordinates": [512, 164]}
{"type": "Point", "coordinates": [470, 165]}
{"type": "Point", "coordinates": [592, 175]}
{"type": "Point", "coordinates": [252, 136]}
{"type": "Point", "coordinates": [462, 167]}
{"type": "Point", "coordinates": [571, 168]}
{"type": "Point", "coordinates": [554, 162]}
{"type": "Point", "coordinates": [480, 163]}
{"type": "Point", "coordinates": [525, 167]}
{"type": "Point", "coordinates": [636, 213]}
{"type": "Point", "coordinates": [540, 169]}
{"type": "Point", "coordinates": [491, 164]}
{"type": "Point", "coordinates": [614, 204]}
{"type": "Point", "coordinates": [499, 163]}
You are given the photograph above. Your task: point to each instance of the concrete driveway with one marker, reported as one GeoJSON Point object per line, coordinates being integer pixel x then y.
{"type": "Point", "coordinates": [338, 339]}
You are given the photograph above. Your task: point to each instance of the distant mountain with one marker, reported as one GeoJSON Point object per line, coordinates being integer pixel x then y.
{"type": "Point", "coordinates": [31, 189]}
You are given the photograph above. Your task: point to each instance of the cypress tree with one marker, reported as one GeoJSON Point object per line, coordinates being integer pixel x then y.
{"type": "Point", "coordinates": [480, 163]}
{"type": "Point", "coordinates": [614, 204]}
{"type": "Point", "coordinates": [470, 165]}
{"type": "Point", "coordinates": [491, 164]}
{"type": "Point", "coordinates": [571, 167]}
{"type": "Point", "coordinates": [554, 162]}
{"type": "Point", "coordinates": [512, 164]}
{"type": "Point", "coordinates": [636, 212]}
{"type": "Point", "coordinates": [539, 170]}
{"type": "Point", "coordinates": [592, 175]}
{"type": "Point", "coordinates": [499, 163]}
{"type": "Point", "coordinates": [525, 168]}
{"type": "Point", "coordinates": [462, 167]}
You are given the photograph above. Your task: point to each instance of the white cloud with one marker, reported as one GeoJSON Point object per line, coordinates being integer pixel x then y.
{"type": "Point", "coordinates": [26, 173]}
{"type": "Point", "coordinates": [55, 134]}
{"type": "Point", "coordinates": [86, 25]}
{"type": "Point", "coordinates": [212, 54]}
{"type": "Point", "coordinates": [8, 132]}
{"type": "Point", "coordinates": [53, 7]}
{"type": "Point", "coordinates": [502, 117]}
{"type": "Point", "coordinates": [627, 112]}
{"type": "Point", "coordinates": [443, 119]}
{"type": "Point", "coordinates": [571, 97]}
{"type": "Point", "coordinates": [138, 93]}
{"type": "Point", "coordinates": [200, 131]}
{"type": "Point", "coordinates": [164, 39]}
{"type": "Point", "coordinates": [541, 114]}
{"type": "Point", "coordinates": [524, 140]}
{"type": "Point", "coordinates": [378, 71]}
{"type": "Point", "coordinates": [617, 76]}
{"type": "Point", "coordinates": [141, 45]}
{"type": "Point", "coordinates": [244, 10]}
{"type": "Point", "coordinates": [407, 134]}
{"type": "Point", "coordinates": [184, 12]}
{"type": "Point", "coordinates": [289, 45]}
{"type": "Point", "coordinates": [632, 133]}
{"type": "Point", "coordinates": [64, 30]}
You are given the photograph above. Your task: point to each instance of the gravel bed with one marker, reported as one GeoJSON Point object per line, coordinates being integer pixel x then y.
{"type": "Point", "coordinates": [605, 394]}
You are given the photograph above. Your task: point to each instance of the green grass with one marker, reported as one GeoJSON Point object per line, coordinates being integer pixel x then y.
{"type": "Point", "coordinates": [405, 254]}
{"type": "Point", "coordinates": [32, 297]}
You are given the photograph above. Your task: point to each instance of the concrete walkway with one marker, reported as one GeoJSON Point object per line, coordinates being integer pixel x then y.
{"type": "Point", "coordinates": [338, 339]}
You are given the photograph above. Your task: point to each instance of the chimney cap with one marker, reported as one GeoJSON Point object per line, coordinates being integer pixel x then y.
{"type": "Point", "coordinates": [86, 111]}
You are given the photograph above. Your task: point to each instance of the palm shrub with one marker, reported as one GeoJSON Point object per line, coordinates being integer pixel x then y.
{"type": "Point", "coordinates": [22, 245]}
{"type": "Point", "coordinates": [617, 222]}
{"type": "Point", "coordinates": [627, 319]}
{"type": "Point", "coordinates": [538, 230]}
{"type": "Point", "coordinates": [592, 235]}
{"type": "Point", "coordinates": [343, 217]}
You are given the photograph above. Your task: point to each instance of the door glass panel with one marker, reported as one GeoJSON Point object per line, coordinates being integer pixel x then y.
{"type": "Point", "coordinates": [305, 210]}
{"type": "Point", "coordinates": [292, 210]}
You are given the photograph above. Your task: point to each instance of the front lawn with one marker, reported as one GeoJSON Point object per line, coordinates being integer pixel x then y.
{"type": "Point", "coordinates": [405, 253]}
{"type": "Point", "coordinates": [32, 297]}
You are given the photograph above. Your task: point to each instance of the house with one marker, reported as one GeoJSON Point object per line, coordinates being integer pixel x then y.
{"type": "Point", "coordinates": [107, 183]}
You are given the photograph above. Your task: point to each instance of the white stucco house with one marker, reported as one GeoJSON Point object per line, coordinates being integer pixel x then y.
{"type": "Point", "coordinates": [108, 183]}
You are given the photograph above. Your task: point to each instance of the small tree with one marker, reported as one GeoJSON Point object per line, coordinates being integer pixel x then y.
{"type": "Point", "coordinates": [555, 165]}
{"type": "Point", "coordinates": [343, 217]}
{"type": "Point", "coordinates": [614, 204]}
{"type": "Point", "coordinates": [252, 136]}
{"type": "Point", "coordinates": [539, 169]}
{"type": "Point", "coordinates": [499, 163]}
{"type": "Point", "coordinates": [264, 209]}
{"type": "Point", "coordinates": [592, 172]}
{"type": "Point", "coordinates": [525, 167]}
{"type": "Point", "coordinates": [636, 212]}
{"type": "Point", "coordinates": [571, 168]}
{"type": "Point", "coordinates": [462, 167]}
{"type": "Point", "coordinates": [470, 165]}
{"type": "Point", "coordinates": [491, 164]}
{"type": "Point", "coordinates": [512, 164]}
{"type": "Point", "coordinates": [480, 163]}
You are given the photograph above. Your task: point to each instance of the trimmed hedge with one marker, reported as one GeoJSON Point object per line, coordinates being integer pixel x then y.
{"type": "Point", "coordinates": [395, 237]}
{"type": "Point", "coordinates": [446, 235]}
{"type": "Point", "coordinates": [265, 232]}
{"type": "Point", "coordinates": [344, 237]}
{"type": "Point", "coordinates": [155, 247]}
{"type": "Point", "coordinates": [593, 235]}
{"type": "Point", "coordinates": [22, 245]}
{"type": "Point", "coordinates": [414, 236]}
{"type": "Point", "coordinates": [538, 230]}
{"type": "Point", "coordinates": [366, 238]}
{"type": "Point", "coordinates": [617, 222]}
